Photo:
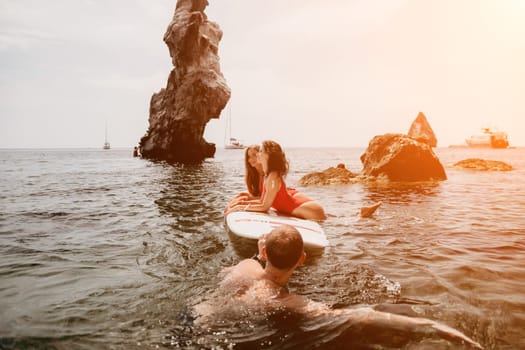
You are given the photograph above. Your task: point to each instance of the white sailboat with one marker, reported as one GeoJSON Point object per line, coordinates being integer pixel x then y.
{"type": "Point", "coordinates": [231, 142]}
{"type": "Point", "coordinates": [106, 142]}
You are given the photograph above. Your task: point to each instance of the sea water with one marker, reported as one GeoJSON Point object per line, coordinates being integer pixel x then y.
{"type": "Point", "coordinates": [100, 250]}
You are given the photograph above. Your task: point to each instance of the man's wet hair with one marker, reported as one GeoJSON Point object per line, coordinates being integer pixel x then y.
{"type": "Point", "coordinates": [284, 247]}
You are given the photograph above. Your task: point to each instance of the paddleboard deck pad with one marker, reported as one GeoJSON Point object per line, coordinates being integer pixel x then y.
{"type": "Point", "coordinates": [252, 225]}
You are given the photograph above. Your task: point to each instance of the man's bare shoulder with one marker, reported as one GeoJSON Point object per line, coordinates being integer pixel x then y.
{"type": "Point", "coordinates": [248, 265]}
{"type": "Point", "coordinates": [244, 272]}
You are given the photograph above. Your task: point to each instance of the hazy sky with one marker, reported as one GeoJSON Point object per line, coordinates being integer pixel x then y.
{"type": "Point", "coordinates": [302, 72]}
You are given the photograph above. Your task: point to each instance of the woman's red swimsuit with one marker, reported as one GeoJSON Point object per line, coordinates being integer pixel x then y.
{"type": "Point", "coordinates": [284, 202]}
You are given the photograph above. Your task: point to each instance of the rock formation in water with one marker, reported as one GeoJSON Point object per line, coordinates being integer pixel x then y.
{"type": "Point", "coordinates": [331, 176]}
{"type": "Point", "coordinates": [421, 131]}
{"type": "Point", "coordinates": [392, 157]}
{"type": "Point", "coordinates": [401, 158]}
{"type": "Point", "coordinates": [483, 165]}
{"type": "Point", "coordinates": [196, 90]}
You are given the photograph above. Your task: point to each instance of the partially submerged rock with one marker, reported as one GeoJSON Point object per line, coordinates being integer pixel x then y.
{"type": "Point", "coordinates": [391, 157]}
{"type": "Point", "coordinates": [421, 131]}
{"type": "Point", "coordinates": [401, 158]}
{"type": "Point", "coordinates": [482, 164]}
{"type": "Point", "coordinates": [196, 90]}
{"type": "Point", "coordinates": [331, 176]}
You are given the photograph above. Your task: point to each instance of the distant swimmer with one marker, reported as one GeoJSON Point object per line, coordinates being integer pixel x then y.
{"type": "Point", "coordinates": [256, 290]}
{"type": "Point", "coordinates": [135, 151]}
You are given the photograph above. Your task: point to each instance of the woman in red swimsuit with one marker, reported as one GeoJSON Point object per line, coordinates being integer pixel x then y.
{"type": "Point", "coordinates": [254, 179]}
{"type": "Point", "coordinates": [274, 193]}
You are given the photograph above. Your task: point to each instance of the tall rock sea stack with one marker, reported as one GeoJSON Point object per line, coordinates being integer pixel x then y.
{"type": "Point", "coordinates": [196, 90]}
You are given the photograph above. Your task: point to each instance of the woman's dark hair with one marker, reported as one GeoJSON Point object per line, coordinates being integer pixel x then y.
{"type": "Point", "coordinates": [276, 158]}
{"type": "Point", "coordinates": [253, 178]}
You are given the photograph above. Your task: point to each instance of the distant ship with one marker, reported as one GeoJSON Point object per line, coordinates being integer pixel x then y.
{"type": "Point", "coordinates": [489, 138]}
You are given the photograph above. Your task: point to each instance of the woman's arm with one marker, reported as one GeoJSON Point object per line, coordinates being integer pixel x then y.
{"type": "Point", "coordinates": [272, 184]}
{"type": "Point", "coordinates": [240, 204]}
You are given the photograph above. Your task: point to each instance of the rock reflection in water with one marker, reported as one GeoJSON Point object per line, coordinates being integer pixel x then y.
{"type": "Point", "coordinates": [400, 192]}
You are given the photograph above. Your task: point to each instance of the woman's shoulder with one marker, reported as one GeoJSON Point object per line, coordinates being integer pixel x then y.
{"type": "Point", "coordinates": [274, 175]}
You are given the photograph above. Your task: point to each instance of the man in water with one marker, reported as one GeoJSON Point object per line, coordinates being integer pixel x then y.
{"type": "Point", "coordinates": [254, 287]}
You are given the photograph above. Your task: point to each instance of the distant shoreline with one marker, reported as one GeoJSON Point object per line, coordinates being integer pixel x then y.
{"type": "Point", "coordinates": [482, 147]}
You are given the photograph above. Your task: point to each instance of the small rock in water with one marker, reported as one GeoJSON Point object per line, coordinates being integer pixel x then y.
{"type": "Point", "coordinates": [482, 164]}
{"type": "Point", "coordinates": [331, 176]}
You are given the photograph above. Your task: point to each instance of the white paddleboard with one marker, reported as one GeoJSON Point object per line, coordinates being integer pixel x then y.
{"type": "Point", "coordinates": [252, 225]}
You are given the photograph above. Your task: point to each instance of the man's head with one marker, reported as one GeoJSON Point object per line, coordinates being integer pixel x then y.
{"type": "Point", "coordinates": [284, 247]}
